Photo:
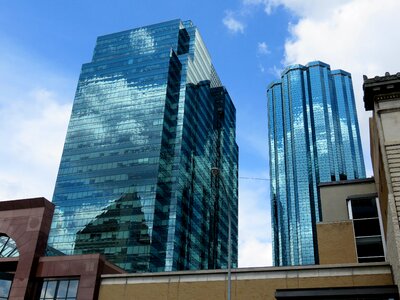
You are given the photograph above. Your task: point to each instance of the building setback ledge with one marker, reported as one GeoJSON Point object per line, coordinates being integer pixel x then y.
{"type": "Point", "coordinates": [251, 273]}
{"type": "Point", "coordinates": [25, 204]}
{"type": "Point", "coordinates": [351, 181]}
{"type": "Point", "coordinates": [386, 86]}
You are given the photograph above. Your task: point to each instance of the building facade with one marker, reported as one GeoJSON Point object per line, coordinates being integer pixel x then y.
{"type": "Point", "coordinates": [320, 282]}
{"type": "Point", "coordinates": [382, 97]}
{"type": "Point", "coordinates": [26, 273]}
{"type": "Point", "coordinates": [313, 138]}
{"type": "Point", "coordinates": [352, 227]}
{"type": "Point", "coordinates": [351, 212]}
{"type": "Point", "coordinates": [149, 121]}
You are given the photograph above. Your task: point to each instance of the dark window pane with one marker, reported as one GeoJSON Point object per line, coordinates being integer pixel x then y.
{"type": "Point", "coordinates": [369, 246]}
{"type": "Point", "coordinates": [367, 227]}
{"type": "Point", "coordinates": [364, 208]}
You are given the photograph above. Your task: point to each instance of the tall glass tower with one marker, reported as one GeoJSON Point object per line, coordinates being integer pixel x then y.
{"type": "Point", "coordinates": [313, 137]}
{"type": "Point", "coordinates": [149, 121]}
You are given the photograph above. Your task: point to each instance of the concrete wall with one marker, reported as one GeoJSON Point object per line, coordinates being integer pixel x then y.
{"type": "Point", "coordinates": [336, 244]}
{"type": "Point", "coordinates": [385, 154]}
{"type": "Point", "coordinates": [335, 234]}
{"type": "Point", "coordinates": [334, 197]}
{"type": "Point", "coordinates": [251, 283]}
{"type": "Point", "coordinates": [379, 172]}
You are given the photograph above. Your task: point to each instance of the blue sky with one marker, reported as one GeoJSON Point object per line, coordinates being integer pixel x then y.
{"type": "Point", "coordinates": [44, 43]}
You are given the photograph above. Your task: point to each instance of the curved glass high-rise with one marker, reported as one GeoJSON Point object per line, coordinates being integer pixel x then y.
{"type": "Point", "coordinates": [313, 137]}
{"type": "Point", "coordinates": [149, 121]}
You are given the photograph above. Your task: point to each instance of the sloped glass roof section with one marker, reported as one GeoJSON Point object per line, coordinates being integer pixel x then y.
{"type": "Point", "coordinates": [8, 248]}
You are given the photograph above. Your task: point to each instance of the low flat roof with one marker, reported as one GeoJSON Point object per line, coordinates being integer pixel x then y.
{"type": "Point", "coordinates": [25, 203]}
{"type": "Point", "coordinates": [310, 271]}
{"type": "Point", "coordinates": [343, 182]}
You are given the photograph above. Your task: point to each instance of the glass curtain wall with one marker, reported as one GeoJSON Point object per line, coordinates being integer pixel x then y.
{"type": "Point", "coordinates": [134, 181]}
{"type": "Point", "coordinates": [313, 137]}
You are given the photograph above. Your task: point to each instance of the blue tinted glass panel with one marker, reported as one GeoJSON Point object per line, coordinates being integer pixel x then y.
{"type": "Point", "coordinates": [149, 121]}
{"type": "Point", "coordinates": [5, 286]}
{"type": "Point", "coordinates": [313, 137]}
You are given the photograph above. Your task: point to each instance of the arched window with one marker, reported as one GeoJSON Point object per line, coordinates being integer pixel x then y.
{"type": "Point", "coordinates": [8, 247]}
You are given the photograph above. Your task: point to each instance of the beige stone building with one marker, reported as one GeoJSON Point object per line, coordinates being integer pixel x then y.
{"type": "Point", "coordinates": [313, 282]}
{"type": "Point", "coordinates": [382, 97]}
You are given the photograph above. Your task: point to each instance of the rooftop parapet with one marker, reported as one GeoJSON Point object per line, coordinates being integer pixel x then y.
{"type": "Point", "coordinates": [380, 88]}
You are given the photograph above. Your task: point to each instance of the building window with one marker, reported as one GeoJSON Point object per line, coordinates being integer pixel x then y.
{"type": "Point", "coordinates": [367, 223]}
{"type": "Point", "coordinates": [8, 247]}
{"type": "Point", "coordinates": [5, 286]}
{"type": "Point", "coordinates": [61, 289]}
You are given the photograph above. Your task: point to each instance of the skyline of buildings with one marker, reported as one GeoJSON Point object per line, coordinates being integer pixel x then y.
{"type": "Point", "coordinates": [88, 236]}
{"type": "Point", "coordinates": [358, 241]}
{"type": "Point", "coordinates": [149, 121]}
{"type": "Point", "coordinates": [313, 138]}
{"type": "Point", "coordinates": [37, 110]}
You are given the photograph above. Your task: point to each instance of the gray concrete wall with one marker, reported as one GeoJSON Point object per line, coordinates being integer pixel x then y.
{"type": "Point", "coordinates": [387, 121]}
{"type": "Point", "coordinates": [334, 197]}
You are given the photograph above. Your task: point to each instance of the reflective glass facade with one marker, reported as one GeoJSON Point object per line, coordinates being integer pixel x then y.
{"type": "Point", "coordinates": [313, 137]}
{"type": "Point", "coordinates": [149, 121]}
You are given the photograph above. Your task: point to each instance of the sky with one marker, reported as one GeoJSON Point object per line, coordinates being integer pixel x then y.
{"type": "Point", "coordinates": [44, 43]}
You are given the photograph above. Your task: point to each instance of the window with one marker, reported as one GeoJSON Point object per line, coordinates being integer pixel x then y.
{"type": "Point", "coordinates": [62, 289]}
{"type": "Point", "coordinates": [5, 286]}
{"type": "Point", "coordinates": [367, 223]}
{"type": "Point", "coordinates": [8, 248]}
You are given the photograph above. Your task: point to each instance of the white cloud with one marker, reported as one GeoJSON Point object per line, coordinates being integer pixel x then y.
{"type": "Point", "coordinates": [233, 25]}
{"type": "Point", "coordinates": [32, 135]}
{"type": "Point", "coordinates": [33, 122]}
{"type": "Point", "coordinates": [253, 253]}
{"type": "Point", "coordinates": [262, 48]}
{"type": "Point", "coordinates": [358, 36]}
{"type": "Point", "coordinates": [310, 8]}
{"type": "Point", "coordinates": [276, 71]}
{"type": "Point", "coordinates": [254, 222]}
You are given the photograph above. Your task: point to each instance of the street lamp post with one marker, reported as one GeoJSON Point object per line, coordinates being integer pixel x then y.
{"type": "Point", "coordinates": [216, 172]}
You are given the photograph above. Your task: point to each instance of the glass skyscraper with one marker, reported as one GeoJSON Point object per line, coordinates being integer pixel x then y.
{"type": "Point", "coordinates": [313, 137]}
{"type": "Point", "coordinates": [149, 121]}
